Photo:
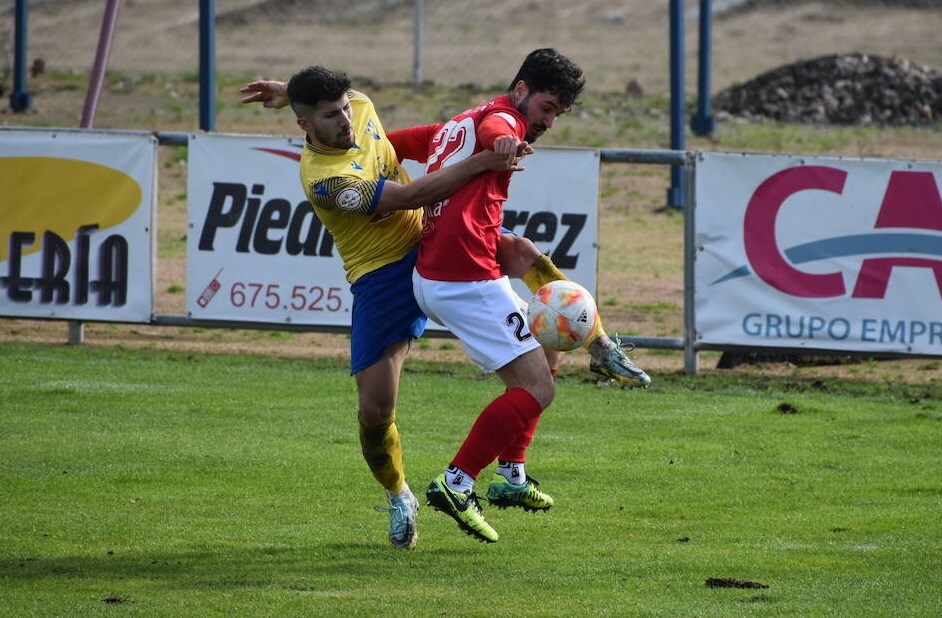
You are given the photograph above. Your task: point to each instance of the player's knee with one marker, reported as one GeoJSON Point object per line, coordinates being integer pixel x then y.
{"type": "Point", "coordinates": [375, 414]}
{"type": "Point", "coordinates": [516, 254]}
{"type": "Point", "coordinates": [527, 250]}
{"type": "Point", "coordinates": [543, 390]}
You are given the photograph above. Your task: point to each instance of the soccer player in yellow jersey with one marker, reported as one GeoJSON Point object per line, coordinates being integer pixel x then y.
{"type": "Point", "coordinates": [350, 174]}
{"type": "Point", "coordinates": [352, 177]}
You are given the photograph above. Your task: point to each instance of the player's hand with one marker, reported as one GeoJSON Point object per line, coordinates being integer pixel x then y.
{"type": "Point", "coordinates": [491, 160]}
{"type": "Point", "coordinates": [510, 148]}
{"type": "Point", "coordinates": [269, 92]}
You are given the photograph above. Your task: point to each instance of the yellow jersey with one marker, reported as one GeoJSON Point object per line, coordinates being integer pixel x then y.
{"type": "Point", "coordinates": [344, 187]}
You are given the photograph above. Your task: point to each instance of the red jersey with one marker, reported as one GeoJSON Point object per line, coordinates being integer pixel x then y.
{"type": "Point", "coordinates": [460, 233]}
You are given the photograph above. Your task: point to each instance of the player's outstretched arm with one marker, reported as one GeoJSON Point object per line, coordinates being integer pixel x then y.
{"type": "Point", "coordinates": [413, 143]}
{"type": "Point", "coordinates": [443, 182]}
{"type": "Point", "coordinates": [269, 92]}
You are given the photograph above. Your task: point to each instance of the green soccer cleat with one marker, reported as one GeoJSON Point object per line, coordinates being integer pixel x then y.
{"type": "Point", "coordinates": [463, 508]}
{"type": "Point", "coordinates": [502, 494]}
{"type": "Point", "coordinates": [402, 513]}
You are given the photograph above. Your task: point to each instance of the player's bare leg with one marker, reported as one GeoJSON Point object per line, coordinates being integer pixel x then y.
{"type": "Point", "coordinates": [378, 387]}
{"type": "Point", "coordinates": [519, 257]}
{"type": "Point", "coordinates": [498, 427]}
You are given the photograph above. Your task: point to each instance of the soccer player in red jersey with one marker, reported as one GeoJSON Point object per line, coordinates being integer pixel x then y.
{"type": "Point", "coordinates": [459, 283]}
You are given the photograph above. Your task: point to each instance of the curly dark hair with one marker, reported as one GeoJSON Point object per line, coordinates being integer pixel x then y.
{"type": "Point", "coordinates": [314, 84]}
{"type": "Point", "coordinates": [547, 70]}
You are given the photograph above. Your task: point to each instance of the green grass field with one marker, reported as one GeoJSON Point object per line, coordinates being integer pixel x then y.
{"type": "Point", "coordinates": [158, 483]}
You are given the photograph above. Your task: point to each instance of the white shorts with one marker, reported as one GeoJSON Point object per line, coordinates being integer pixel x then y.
{"type": "Point", "coordinates": [487, 317]}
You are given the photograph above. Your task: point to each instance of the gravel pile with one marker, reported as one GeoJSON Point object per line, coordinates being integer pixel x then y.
{"type": "Point", "coordinates": [852, 89]}
{"type": "Point", "coordinates": [743, 6]}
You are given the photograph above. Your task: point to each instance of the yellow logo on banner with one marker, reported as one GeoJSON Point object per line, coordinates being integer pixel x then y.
{"type": "Point", "coordinates": [39, 194]}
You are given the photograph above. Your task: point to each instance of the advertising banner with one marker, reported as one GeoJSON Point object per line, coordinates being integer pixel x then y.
{"type": "Point", "coordinates": [819, 253]}
{"type": "Point", "coordinates": [76, 225]}
{"type": "Point", "coordinates": [257, 253]}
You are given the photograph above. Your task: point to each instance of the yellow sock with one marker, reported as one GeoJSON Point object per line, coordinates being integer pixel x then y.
{"type": "Point", "coordinates": [382, 450]}
{"type": "Point", "coordinates": [542, 272]}
{"type": "Point", "coordinates": [597, 332]}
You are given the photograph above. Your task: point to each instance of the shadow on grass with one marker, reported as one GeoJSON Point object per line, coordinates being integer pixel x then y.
{"type": "Point", "coordinates": [320, 567]}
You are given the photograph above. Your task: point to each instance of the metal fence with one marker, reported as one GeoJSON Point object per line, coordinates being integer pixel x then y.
{"type": "Point", "coordinates": [380, 40]}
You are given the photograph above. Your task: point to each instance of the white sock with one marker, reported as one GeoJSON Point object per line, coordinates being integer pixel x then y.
{"type": "Point", "coordinates": [459, 480]}
{"type": "Point", "coordinates": [512, 471]}
{"type": "Point", "coordinates": [405, 493]}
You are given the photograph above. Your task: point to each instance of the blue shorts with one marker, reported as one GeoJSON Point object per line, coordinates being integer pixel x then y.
{"type": "Point", "coordinates": [384, 312]}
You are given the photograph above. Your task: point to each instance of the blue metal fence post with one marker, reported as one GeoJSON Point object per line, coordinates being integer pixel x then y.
{"type": "Point", "coordinates": [675, 194]}
{"type": "Point", "coordinates": [702, 122]}
{"type": "Point", "coordinates": [208, 65]}
{"type": "Point", "coordinates": [20, 98]}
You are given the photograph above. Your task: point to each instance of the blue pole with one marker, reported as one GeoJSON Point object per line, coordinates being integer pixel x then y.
{"type": "Point", "coordinates": [675, 192]}
{"type": "Point", "coordinates": [208, 65]}
{"type": "Point", "coordinates": [19, 97]}
{"type": "Point", "coordinates": [702, 123]}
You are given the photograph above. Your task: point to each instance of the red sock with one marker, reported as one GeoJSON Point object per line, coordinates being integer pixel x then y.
{"type": "Point", "coordinates": [516, 451]}
{"type": "Point", "coordinates": [497, 427]}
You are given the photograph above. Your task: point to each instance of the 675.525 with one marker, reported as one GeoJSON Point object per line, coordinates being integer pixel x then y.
{"type": "Point", "coordinates": [299, 297]}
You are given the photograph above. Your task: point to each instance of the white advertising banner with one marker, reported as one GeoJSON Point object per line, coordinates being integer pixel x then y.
{"type": "Point", "coordinates": [555, 203]}
{"type": "Point", "coordinates": [76, 225]}
{"type": "Point", "coordinates": [819, 253]}
{"type": "Point", "coordinates": [255, 250]}
{"type": "Point", "coordinates": [257, 253]}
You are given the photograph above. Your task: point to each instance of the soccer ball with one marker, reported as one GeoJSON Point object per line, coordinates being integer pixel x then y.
{"type": "Point", "coordinates": [561, 315]}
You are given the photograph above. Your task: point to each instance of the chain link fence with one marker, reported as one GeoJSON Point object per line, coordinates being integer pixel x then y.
{"type": "Point", "coordinates": [617, 42]}
{"type": "Point", "coordinates": [479, 42]}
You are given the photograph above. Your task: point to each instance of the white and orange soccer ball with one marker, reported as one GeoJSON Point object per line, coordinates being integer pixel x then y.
{"type": "Point", "coordinates": [562, 315]}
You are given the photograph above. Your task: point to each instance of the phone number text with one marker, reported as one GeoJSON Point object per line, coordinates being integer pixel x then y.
{"type": "Point", "coordinates": [254, 295]}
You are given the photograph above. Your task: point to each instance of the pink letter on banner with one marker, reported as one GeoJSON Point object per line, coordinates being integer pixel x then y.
{"type": "Point", "coordinates": [763, 251]}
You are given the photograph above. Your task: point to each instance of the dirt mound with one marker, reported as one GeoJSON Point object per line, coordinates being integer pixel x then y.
{"type": "Point", "coordinates": [741, 6]}
{"type": "Point", "coordinates": [856, 89]}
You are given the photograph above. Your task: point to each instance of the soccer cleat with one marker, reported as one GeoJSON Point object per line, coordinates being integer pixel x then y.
{"type": "Point", "coordinates": [402, 512]}
{"type": "Point", "coordinates": [612, 362]}
{"type": "Point", "coordinates": [502, 493]}
{"type": "Point", "coordinates": [463, 508]}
